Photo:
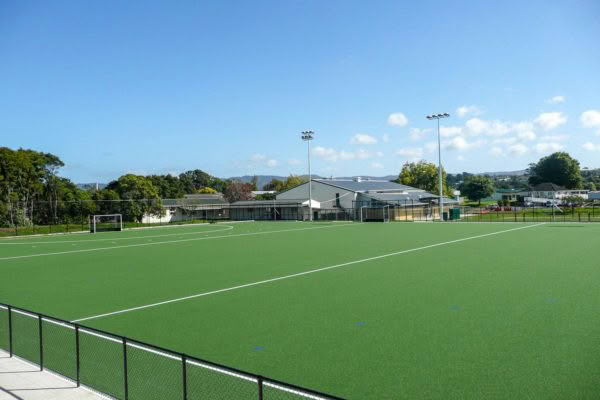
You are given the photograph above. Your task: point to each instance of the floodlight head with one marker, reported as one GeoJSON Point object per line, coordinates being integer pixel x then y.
{"type": "Point", "coordinates": [307, 135]}
{"type": "Point", "coordinates": [430, 117]}
{"type": "Point", "coordinates": [446, 115]}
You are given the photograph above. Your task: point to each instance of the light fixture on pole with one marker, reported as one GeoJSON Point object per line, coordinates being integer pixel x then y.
{"type": "Point", "coordinates": [438, 117]}
{"type": "Point", "coordinates": [307, 136]}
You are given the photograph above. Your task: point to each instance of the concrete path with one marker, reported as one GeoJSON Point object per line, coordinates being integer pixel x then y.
{"type": "Point", "coordinates": [23, 381]}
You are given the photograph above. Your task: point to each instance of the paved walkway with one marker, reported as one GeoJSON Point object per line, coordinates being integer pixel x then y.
{"type": "Point", "coordinates": [22, 381]}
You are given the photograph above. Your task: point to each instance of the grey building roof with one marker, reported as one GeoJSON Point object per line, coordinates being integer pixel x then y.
{"type": "Point", "coordinates": [271, 203]}
{"type": "Point", "coordinates": [548, 187]}
{"type": "Point", "coordinates": [410, 198]}
{"type": "Point", "coordinates": [366, 185]}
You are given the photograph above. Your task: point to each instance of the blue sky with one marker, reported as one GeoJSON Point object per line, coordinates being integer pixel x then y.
{"type": "Point", "coordinates": [227, 86]}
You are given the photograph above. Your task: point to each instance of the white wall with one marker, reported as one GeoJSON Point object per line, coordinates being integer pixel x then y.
{"type": "Point", "coordinates": [325, 194]}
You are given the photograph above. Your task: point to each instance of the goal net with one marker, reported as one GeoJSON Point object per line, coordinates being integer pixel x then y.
{"type": "Point", "coordinates": [375, 214]}
{"type": "Point", "coordinates": [106, 223]}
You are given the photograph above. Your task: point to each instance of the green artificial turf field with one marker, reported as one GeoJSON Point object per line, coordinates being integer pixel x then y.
{"type": "Point", "coordinates": [362, 311]}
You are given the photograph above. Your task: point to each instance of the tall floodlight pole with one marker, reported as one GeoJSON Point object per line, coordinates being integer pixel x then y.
{"type": "Point", "coordinates": [438, 117]}
{"type": "Point", "coordinates": [307, 136]}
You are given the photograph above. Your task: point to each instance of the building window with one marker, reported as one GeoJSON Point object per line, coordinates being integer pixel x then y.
{"type": "Point", "coordinates": [337, 200]}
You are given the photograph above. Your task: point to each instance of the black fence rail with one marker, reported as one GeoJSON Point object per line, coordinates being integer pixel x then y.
{"type": "Point", "coordinates": [122, 368]}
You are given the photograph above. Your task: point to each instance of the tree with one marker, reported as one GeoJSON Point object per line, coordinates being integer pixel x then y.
{"type": "Point", "coordinates": [195, 180]}
{"type": "Point", "coordinates": [274, 185]}
{"type": "Point", "coordinates": [558, 168]}
{"type": "Point", "coordinates": [207, 190]}
{"type": "Point", "coordinates": [423, 175]}
{"type": "Point", "coordinates": [477, 187]}
{"type": "Point", "coordinates": [254, 183]}
{"type": "Point", "coordinates": [236, 191]}
{"type": "Point", "coordinates": [140, 189]}
{"type": "Point", "coordinates": [168, 186]}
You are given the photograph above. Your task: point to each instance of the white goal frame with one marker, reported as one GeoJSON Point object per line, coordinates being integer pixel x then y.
{"type": "Point", "coordinates": [385, 216]}
{"type": "Point", "coordinates": [93, 219]}
{"type": "Point", "coordinates": [385, 221]}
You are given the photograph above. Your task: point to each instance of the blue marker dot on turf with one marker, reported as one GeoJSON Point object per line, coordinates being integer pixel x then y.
{"type": "Point", "coordinates": [552, 299]}
{"type": "Point", "coordinates": [258, 348]}
{"type": "Point", "coordinates": [361, 323]}
{"type": "Point", "coordinates": [455, 308]}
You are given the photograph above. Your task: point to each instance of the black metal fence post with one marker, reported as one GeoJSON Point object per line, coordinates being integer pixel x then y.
{"type": "Point", "coordinates": [77, 359]}
{"type": "Point", "coordinates": [260, 387]}
{"type": "Point", "coordinates": [184, 373]}
{"type": "Point", "coordinates": [41, 343]}
{"type": "Point", "coordinates": [125, 383]}
{"type": "Point", "coordinates": [10, 341]}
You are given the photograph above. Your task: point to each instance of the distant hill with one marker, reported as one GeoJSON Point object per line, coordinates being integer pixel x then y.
{"type": "Point", "coordinates": [505, 173]}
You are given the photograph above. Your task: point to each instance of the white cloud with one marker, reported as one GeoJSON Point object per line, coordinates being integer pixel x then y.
{"type": "Point", "coordinates": [556, 100]}
{"type": "Point", "coordinates": [450, 131]}
{"type": "Point", "coordinates": [461, 144]}
{"type": "Point", "coordinates": [550, 120]}
{"type": "Point", "coordinates": [332, 155]}
{"type": "Point", "coordinates": [431, 146]}
{"type": "Point", "coordinates": [554, 138]}
{"type": "Point", "coordinates": [517, 149]}
{"type": "Point", "coordinates": [463, 111]}
{"type": "Point", "coordinates": [293, 161]}
{"type": "Point", "coordinates": [477, 127]}
{"type": "Point", "coordinates": [460, 158]}
{"type": "Point", "coordinates": [258, 157]}
{"type": "Point", "coordinates": [397, 119]}
{"type": "Point", "coordinates": [497, 151]}
{"type": "Point", "coordinates": [377, 165]}
{"type": "Point", "coordinates": [527, 135]}
{"type": "Point", "coordinates": [363, 154]}
{"type": "Point", "coordinates": [272, 163]}
{"type": "Point", "coordinates": [411, 152]}
{"type": "Point", "coordinates": [417, 134]}
{"type": "Point", "coordinates": [385, 138]}
{"type": "Point", "coordinates": [589, 146]}
{"type": "Point", "coordinates": [548, 147]}
{"type": "Point", "coordinates": [591, 119]}
{"type": "Point", "coordinates": [505, 141]}
{"type": "Point", "coordinates": [326, 153]}
{"type": "Point", "coordinates": [363, 139]}
{"type": "Point", "coordinates": [346, 155]}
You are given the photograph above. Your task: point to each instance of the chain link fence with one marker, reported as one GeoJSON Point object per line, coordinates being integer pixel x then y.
{"type": "Point", "coordinates": [428, 213]}
{"type": "Point", "coordinates": [123, 368]}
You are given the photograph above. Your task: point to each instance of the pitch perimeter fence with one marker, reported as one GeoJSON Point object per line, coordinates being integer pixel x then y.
{"type": "Point", "coordinates": [122, 368]}
{"type": "Point", "coordinates": [427, 213]}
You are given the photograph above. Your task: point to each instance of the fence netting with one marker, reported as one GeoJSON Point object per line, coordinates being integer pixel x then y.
{"type": "Point", "coordinates": [144, 382]}
{"type": "Point", "coordinates": [4, 344]}
{"type": "Point", "coordinates": [101, 360]}
{"type": "Point", "coordinates": [208, 382]}
{"type": "Point", "coordinates": [274, 391]}
{"type": "Point", "coordinates": [59, 348]}
{"type": "Point", "coordinates": [25, 336]}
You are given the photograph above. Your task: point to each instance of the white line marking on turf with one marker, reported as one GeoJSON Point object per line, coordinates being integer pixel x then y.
{"type": "Point", "coordinates": [312, 271]}
{"type": "Point", "coordinates": [227, 228]}
{"type": "Point", "coordinates": [171, 241]}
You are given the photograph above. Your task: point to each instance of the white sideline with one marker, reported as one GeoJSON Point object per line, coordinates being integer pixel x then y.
{"type": "Point", "coordinates": [227, 228]}
{"type": "Point", "coordinates": [303, 273]}
{"type": "Point", "coordinates": [171, 241]}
